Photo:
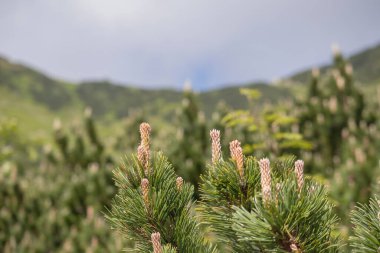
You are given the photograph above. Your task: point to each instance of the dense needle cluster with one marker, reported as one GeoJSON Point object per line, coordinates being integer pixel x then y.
{"type": "Point", "coordinates": [248, 218]}
{"type": "Point", "coordinates": [250, 205]}
{"type": "Point", "coordinates": [366, 220]}
{"type": "Point", "coordinates": [154, 207]}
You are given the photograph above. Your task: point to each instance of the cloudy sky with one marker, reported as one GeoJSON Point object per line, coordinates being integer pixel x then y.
{"type": "Point", "coordinates": [165, 42]}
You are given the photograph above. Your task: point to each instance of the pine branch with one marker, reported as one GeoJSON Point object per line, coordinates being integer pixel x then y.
{"type": "Point", "coordinates": [257, 206]}
{"type": "Point", "coordinates": [366, 220]}
{"type": "Point", "coordinates": [155, 201]}
{"type": "Point", "coordinates": [289, 222]}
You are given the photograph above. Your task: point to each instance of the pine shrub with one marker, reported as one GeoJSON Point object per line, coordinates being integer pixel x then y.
{"type": "Point", "coordinates": [154, 208]}
{"type": "Point", "coordinates": [246, 205]}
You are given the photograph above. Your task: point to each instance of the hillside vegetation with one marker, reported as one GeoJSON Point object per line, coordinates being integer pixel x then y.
{"type": "Point", "coordinates": [39, 94]}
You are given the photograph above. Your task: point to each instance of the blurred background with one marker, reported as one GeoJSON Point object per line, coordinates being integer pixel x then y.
{"type": "Point", "coordinates": [77, 77]}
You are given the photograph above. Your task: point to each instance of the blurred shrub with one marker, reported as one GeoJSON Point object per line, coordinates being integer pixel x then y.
{"type": "Point", "coordinates": [266, 131]}
{"type": "Point", "coordinates": [344, 130]}
{"type": "Point", "coordinates": [77, 148]}
{"type": "Point", "coordinates": [189, 151]}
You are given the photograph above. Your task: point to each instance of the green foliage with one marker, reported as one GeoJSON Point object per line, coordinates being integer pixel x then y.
{"type": "Point", "coordinates": [189, 152]}
{"type": "Point", "coordinates": [356, 178]}
{"type": "Point", "coordinates": [233, 98]}
{"type": "Point", "coordinates": [344, 129]}
{"type": "Point", "coordinates": [50, 206]}
{"type": "Point", "coordinates": [105, 97]}
{"type": "Point", "coordinates": [220, 190]}
{"type": "Point", "coordinates": [267, 131]}
{"type": "Point", "coordinates": [167, 209]}
{"type": "Point", "coordinates": [44, 210]}
{"type": "Point", "coordinates": [52, 200]}
{"type": "Point", "coordinates": [366, 220]}
{"type": "Point", "coordinates": [74, 149]}
{"type": "Point", "coordinates": [35, 85]}
{"type": "Point", "coordinates": [11, 146]}
{"type": "Point", "coordinates": [333, 102]}
{"type": "Point", "coordinates": [304, 220]}
{"type": "Point", "coordinates": [109, 100]}
{"type": "Point", "coordinates": [232, 208]}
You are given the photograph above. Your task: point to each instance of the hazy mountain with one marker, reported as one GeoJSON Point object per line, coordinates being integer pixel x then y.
{"type": "Point", "coordinates": [108, 98]}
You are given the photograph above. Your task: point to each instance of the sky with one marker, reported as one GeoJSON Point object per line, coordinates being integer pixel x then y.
{"type": "Point", "coordinates": [163, 43]}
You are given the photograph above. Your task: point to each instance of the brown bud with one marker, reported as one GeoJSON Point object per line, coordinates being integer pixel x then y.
{"type": "Point", "coordinates": [265, 179]}
{"type": "Point", "coordinates": [179, 182]}
{"type": "Point", "coordinates": [233, 145]}
{"type": "Point", "coordinates": [145, 130]}
{"type": "Point", "coordinates": [299, 173]}
{"type": "Point", "coordinates": [143, 157]}
{"type": "Point", "coordinates": [294, 248]}
{"type": "Point", "coordinates": [145, 191]}
{"type": "Point", "coordinates": [237, 155]}
{"type": "Point", "coordinates": [156, 242]}
{"type": "Point", "coordinates": [216, 149]}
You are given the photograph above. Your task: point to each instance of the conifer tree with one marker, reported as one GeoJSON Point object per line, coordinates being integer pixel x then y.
{"type": "Point", "coordinates": [154, 207]}
{"type": "Point", "coordinates": [254, 206]}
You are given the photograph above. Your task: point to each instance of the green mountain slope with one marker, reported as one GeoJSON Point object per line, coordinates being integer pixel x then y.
{"type": "Point", "coordinates": [28, 116]}
{"type": "Point", "coordinates": [24, 87]}
{"type": "Point", "coordinates": [32, 84]}
{"type": "Point", "coordinates": [109, 99]}
{"type": "Point", "coordinates": [232, 97]}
